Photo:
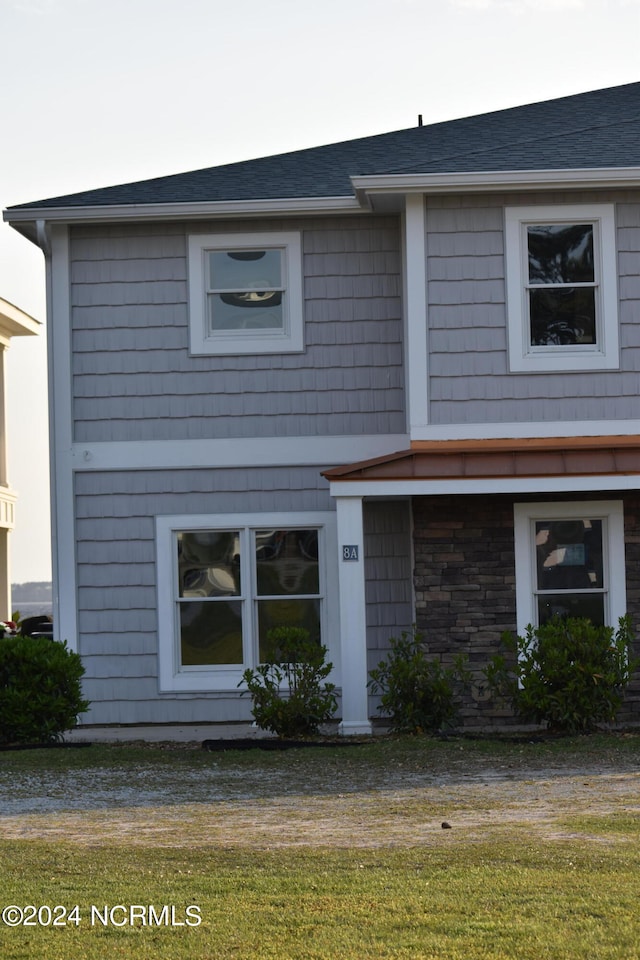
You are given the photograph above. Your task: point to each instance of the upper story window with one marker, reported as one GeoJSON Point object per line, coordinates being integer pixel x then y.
{"type": "Point", "coordinates": [562, 296]}
{"type": "Point", "coordinates": [245, 293]}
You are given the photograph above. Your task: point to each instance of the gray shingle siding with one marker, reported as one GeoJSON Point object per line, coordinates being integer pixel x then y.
{"type": "Point", "coordinates": [135, 380]}
{"type": "Point", "coordinates": [470, 380]}
{"type": "Point", "coordinates": [116, 576]}
{"type": "Point", "coordinates": [387, 539]}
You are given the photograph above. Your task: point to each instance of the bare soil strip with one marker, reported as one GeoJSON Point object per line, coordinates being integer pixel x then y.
{"type": "Point", "coordinates": [474, 806]}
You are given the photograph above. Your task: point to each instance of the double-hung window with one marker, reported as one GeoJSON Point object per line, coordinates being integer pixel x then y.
{"type": "Point", "coordinates": [225, 581]}
{"type": "Point", "coordinates": [561, 287]}
{"type": "Point", "coordinates": [245, 293]}
{"type": "Point", "coordinates": [569, 561]}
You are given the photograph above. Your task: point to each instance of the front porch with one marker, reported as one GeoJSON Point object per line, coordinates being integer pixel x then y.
{"type": "Point", "coordinates": [472, 572]}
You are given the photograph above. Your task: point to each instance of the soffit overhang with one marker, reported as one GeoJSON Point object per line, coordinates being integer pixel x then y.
{"type": "Point", "coordinates": [16, 323]}
{"type": "Point", "coordinates": [377, 192]}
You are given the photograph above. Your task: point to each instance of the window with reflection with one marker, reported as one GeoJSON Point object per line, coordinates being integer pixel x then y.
{"type": "Point", "coordinates": [287, 582]}
{"type": "Point", "coordinates": [570, 569]}
{"type": "Point", "coordinates": [246, 290]}
{"type": "Point", "coordinates": [210, 597]}
{"type": "Point", "coordinates": [245, 293]}
{"type": "Point", "coordinates": [235, 585]}
{"type": "Point", "coordinates": [562, 289]}
{"type": "Point", "coordinates": [562, 285]}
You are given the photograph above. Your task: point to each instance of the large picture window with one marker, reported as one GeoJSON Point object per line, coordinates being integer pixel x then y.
{"type": "Point", "coordinates": [561, 287]}
{"type": "Point", "coordinates": [225, 583]}
{"type": "Point", "coordinates": [569, 561]}
{"type": "Point", "coordinates": [245, 293]}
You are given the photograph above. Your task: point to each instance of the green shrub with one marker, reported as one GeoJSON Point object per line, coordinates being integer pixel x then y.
{"type": "Point", "coordinates": [418, 693]}
{"type": "Point", "coordinates": [290, 697]}
{"type": "Point", "coordinates": [40, 694]}
{"type": "Point", "coordinates": [568, 674]}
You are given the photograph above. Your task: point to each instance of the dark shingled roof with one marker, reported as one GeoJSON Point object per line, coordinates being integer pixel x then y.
{"type": "Point", "coordinates": [589, 130]}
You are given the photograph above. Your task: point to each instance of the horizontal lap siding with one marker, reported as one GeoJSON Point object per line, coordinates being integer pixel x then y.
{"type": "Point", "coordinates": [116, 577]}
{"type": "Point", "coordinates": [469, 374]}
{"type": "Point", "coordinates": [133, 378]}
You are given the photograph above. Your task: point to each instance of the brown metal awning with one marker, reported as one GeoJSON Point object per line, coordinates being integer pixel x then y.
{"type": "Point", "coordinates": [469, 459]}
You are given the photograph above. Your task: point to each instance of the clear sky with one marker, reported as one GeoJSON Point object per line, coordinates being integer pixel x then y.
{"type": "Point", "coordinates": [97, 93]}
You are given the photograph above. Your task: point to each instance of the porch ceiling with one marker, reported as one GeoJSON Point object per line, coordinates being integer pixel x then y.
{"type": "Point", "coordinates": [509, 458]}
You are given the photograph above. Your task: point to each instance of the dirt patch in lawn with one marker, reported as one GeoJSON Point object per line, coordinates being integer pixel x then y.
{"type": "Point", "coordinates": [390, 808]}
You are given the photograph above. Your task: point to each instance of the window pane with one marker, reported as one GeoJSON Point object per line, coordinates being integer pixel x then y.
{"type": "Point", "coordinates": [287, 613]}
{"type": "Point", "coordinates": [562, 316]}
{"type": "Point", "coordinates": [252, 310]}
{"type": "Point", "coordinates": [245, 270]}
{"type": "Point", "coordinates": [211, 632]}
{"type": "Point", "coordinates": [561, 253]}
{"type": "Point", "coordinates": [287, 562]}
{"type": "Point", "coordinates": [589, 605]}
{"type": "Point", "coordinates": [209, 563]}
{"type": "Point", "coordinates": [569, 554]}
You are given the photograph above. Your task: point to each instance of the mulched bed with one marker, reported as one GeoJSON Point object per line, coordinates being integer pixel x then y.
{"type": "Point", "coordinates": [268, 743]}
{"type": "Point", "coordinates": [71, 744]}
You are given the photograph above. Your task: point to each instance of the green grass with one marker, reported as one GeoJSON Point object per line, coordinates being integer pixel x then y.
{"type": "Point", "coordinates": [500, 900]}
{"type": "Point", "coordinates": [622, 826]}
{"type": "Point", "coordinates": [329, 854]}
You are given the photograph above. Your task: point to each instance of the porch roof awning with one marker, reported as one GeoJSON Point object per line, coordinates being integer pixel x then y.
{"type": "Point", "coordinates": [502, 459]}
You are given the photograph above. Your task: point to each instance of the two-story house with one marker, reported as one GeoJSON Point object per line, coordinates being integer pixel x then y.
{"type": "Point", "coordinates": [353, 387]}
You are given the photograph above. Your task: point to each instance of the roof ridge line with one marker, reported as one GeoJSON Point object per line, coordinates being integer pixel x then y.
{"type": "Point", "coordinates": [522, 141]}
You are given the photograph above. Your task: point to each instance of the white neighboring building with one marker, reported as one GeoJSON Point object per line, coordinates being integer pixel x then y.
{"type": "Point", "coordinates": [13, 323]}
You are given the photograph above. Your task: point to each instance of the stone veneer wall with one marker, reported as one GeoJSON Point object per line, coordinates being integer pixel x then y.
{"type": "Point", "coordinates": [464, 581]}
{"type": "Point", "coordinates": [630, 712]}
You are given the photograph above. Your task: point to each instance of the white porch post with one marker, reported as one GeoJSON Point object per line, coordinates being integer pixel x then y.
{"type": "Point", "coordinates": [353, 626]}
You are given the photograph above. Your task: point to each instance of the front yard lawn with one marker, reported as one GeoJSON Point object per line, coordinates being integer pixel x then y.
{"type": "Point", "coordinates": [325, 854]}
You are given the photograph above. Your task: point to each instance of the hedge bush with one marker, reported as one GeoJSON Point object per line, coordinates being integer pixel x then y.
{"type": "Point", "coordinates": [418, 692]}
{"type": "Point", "coordinates": [40, 691]}
{"type": "Point", "coordinates": [568, 674]}
{"type": "Point", "coordinates": [291, 697]}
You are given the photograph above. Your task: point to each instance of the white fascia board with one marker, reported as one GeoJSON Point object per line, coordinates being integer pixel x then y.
{"type": "Point", "coordinates": [523, 431]}
{"type": "Point", "coordinates": [498, 180]}
{"type": "Point", "coordinates": [236, 452]}
{"type": "Point", "coordinates": [141, 212]}
{"type": "Point", "coordinates": [486, 486]}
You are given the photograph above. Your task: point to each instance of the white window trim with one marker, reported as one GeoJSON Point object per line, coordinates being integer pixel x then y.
{"type": "Point", "coordinates": [289, 340]}
{"type": "Point", "coordinates": [525, 515]}
{"type": "Point", "coordinates": [173, 678]}
{"type": "Point", "coordinates": [524, 357]}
